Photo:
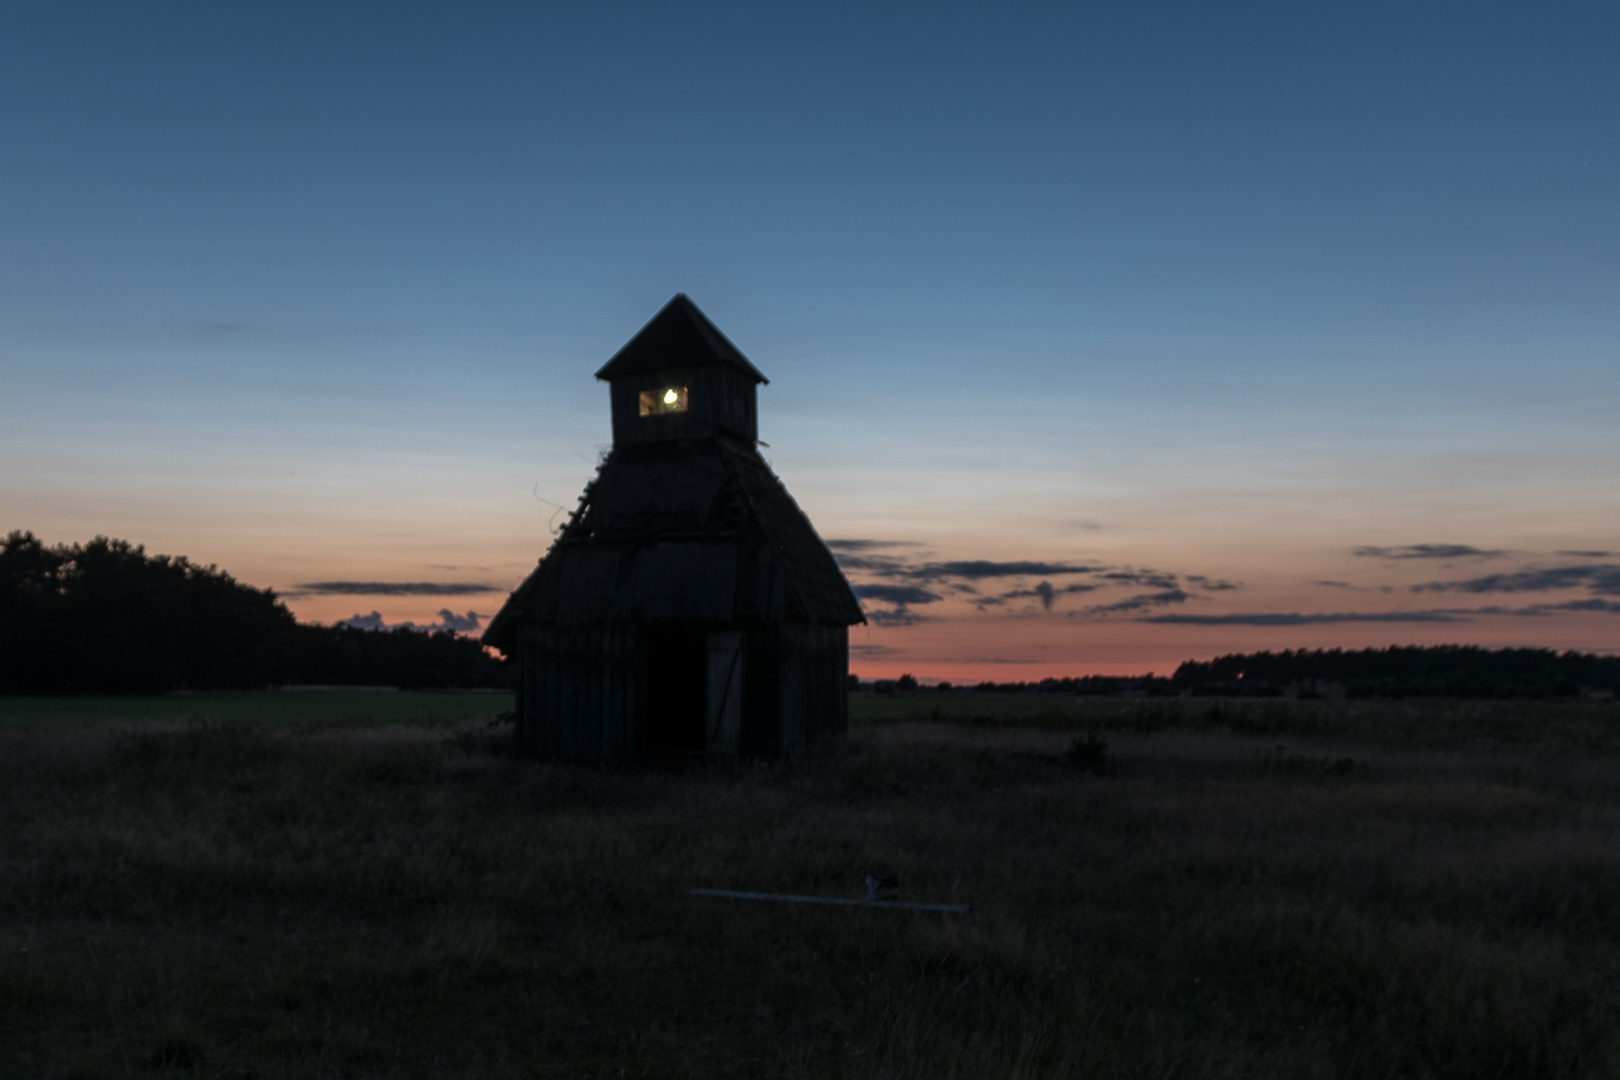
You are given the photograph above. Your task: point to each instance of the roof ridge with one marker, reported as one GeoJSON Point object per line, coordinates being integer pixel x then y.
{"type": "Point", "coordinates": [679, 336]}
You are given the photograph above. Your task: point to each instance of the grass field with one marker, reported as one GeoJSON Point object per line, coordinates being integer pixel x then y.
{"type": "Point", "coordinates": [1589, 726]}
{"type": "Point", "coordinates": [1572, 724]}
{"type": "Point", "coordinates": [325, 708]}
{"type": "Point", "coordinates": [1312, 889]}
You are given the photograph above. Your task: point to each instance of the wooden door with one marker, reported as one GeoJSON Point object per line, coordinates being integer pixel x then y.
{"type": "Point", "coordinates": [723, 718]}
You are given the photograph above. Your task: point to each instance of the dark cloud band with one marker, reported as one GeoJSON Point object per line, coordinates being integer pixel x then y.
{"type": "Point", "coordinates": [448, 620]}
{"type": "Point", "coordinates": [1297, 619]}
{"type": "Point", "coordinates": [1045, 592]}
{"type": "Point", "coordinates": [867, 545]}
{"type": "Point", "coordinates": [1429, 551]}
{"type": "Point", "coordinates": [895, 594]}
{"type": "Point", "coordinates": [1209, 584]}
{"type": "Point", "coordinates": [1612, 606]}
{"type": "Point", "coordinates": [392, 588]}
{"type": "Point", "coordinates": [1600, 578]}
{"type": "Point", "coordinates": [980, 569]}
{"type": "Point", "coordinates": [1143, 600]}
{"type": "Point", "coordinates": [899, 616]}
{"type": "Point", "coordinates": [1437, 615]}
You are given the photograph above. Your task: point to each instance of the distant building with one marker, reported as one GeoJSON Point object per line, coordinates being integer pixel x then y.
{"type": "Point", "coordinates": [688, 606]}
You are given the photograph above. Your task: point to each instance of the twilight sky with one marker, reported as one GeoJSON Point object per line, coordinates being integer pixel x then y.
{"type": "Point", "coordinates": [1100, 337]}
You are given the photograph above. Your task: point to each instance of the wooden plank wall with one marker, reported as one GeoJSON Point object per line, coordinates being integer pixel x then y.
{"type": "Point", "coordinates": [838, 674]}
{"type": "Point", "coordinates": [815, 686]}
{"type": "Point", "coordinates": [723, 705]}
{"type": "Point", "coordinates": [577, 693]}
{"type": "Point", "coordinates": [762, 692]}
{"type": "Point", "coordinates": [796, 689]}
{"type": "Point", "coordinates": [720, 398]}
{"type": "Point", "coordinates": [528, 732]}
{"type": "Point", "coordinates": [578, 697]}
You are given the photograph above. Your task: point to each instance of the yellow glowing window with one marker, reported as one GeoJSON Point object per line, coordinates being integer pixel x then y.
{"type": "Point", "coordinates": [667, 399]}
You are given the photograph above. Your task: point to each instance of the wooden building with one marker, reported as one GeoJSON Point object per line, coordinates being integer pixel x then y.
{"type": "Point", "coordinates": [688, 606]}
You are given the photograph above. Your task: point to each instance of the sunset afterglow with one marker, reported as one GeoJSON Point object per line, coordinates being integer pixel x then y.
{"type": "Point", "coordinates": [1096, 341]}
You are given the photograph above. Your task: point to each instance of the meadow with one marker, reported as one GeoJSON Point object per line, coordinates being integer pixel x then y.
{"type": "Point", "coordinates": [270, 708]}
{"type": "Point", "coordinates": [369, 885]}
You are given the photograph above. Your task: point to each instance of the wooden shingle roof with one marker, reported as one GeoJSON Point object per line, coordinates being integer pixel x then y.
{"type": "Point", "coordinates": [679, 336]}
{"type": "Point", "coordinates": [697, 530]}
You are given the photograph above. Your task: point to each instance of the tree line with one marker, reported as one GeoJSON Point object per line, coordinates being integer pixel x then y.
{"type": "Point", "coordinates": [1412, 671]}
{"type": "Point", "coordinates": [1466, 671]}
{"type": "Point", "coordinates": [1076, 685]}
{"type": "Point", "coordinates": [105, 617]}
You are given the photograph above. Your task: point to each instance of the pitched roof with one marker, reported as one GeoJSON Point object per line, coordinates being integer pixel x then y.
{"type": "Point", "coordinates": [679, 336]}
{"type": "Point", "coordinates": [699, 530]}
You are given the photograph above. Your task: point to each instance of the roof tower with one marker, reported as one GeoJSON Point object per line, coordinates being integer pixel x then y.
{"type": "Point", "coordinates": [679, 336]}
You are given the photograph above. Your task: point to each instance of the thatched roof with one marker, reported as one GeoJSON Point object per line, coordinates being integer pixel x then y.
{"type": "Point", "coordinates": [695, 529]}
{"type": "Point", "coordinates": [679, 336]}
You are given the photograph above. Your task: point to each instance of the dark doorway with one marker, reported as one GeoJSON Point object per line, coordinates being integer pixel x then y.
{"type": "Point", "coordinates": [677, 662]}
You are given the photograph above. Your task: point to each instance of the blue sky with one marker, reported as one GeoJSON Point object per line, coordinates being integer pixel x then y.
{"type": "Point", "coordinates": [316, 292]}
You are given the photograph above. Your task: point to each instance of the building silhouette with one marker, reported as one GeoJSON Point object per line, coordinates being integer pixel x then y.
{"type": "Point", "coordinates": [688, 606]}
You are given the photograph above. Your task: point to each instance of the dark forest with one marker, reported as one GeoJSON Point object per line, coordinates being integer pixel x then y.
{"type": "Point", "coordinates": [1399, 671]}
{"type": "Point", "coordinates": [1464, 671]}
{"type": "Point", "coordinates": [105, 617]}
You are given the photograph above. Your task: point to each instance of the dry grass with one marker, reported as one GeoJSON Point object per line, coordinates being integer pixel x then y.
{"type": "Point", "coordinates": [251, 901]}
{"type": "Point", "coordinates": [1586, 725]}
{"type": "Point", "coordinates": [276, 708]}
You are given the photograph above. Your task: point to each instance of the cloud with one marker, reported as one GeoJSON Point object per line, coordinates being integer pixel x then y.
{"type": "Point", "coordinates": [900, 596]}
{"type": "Point", "coordinates": [855, 555]}
{"type": "Point", "coordinates": [1572, 605]}
{"type": "Point", "coordinates": [861, 554]}
{"type": "Point", "coordinates": [939, 573]}
{"type": "Point", "coordinates": [904, 584]}
{"type": "Point", "coordinates": [868, 545]}
{"type": "Point", "coordinates": [1600, 578]}
{"type": "Point", "coordinates": [392, 588]}
{"type": "Point", "coordinates": [1435, 615]}
{"type": "Point", "coordinates": [1144, 600]}
{"type": "Point", "coordinates": [1046, 592]}
{"type": "Point", "coordinates": [1152, 579]}
{"type": "Point", "coordinates": [1296, 619]}
{"type": "Point", "coordinates": [877, 558]}
{"type": "Point", "coordinates": [881, 565]}
{"type": "Point", "coordinates": [867, 650]}
{"type": "Point", "coordinates": [902, 579]}
{"type": "Point", "coordinates": [979, 569]}
{"type": "Point", "coordinates": [895, 594]}
{"type": "Point", "coordinates": [1213, 584]}
{"type": "Point", "coordinates": [1430, 551]}
{"type": "Point", "coordinates": [448, 620]}
{"type": "Point", "coordinates": [1588, 554]}
{"type": "Point", "coordinates": [996, 660]}
{"type": "Point", "coordinates": [899, 616]}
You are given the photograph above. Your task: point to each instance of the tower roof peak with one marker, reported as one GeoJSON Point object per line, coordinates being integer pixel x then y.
{"type": "Point", "coordinates": [679, 336]}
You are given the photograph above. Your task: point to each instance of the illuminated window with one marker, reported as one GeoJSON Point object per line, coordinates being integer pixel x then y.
{"type": "Point", "coordinates": [665, 400]}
